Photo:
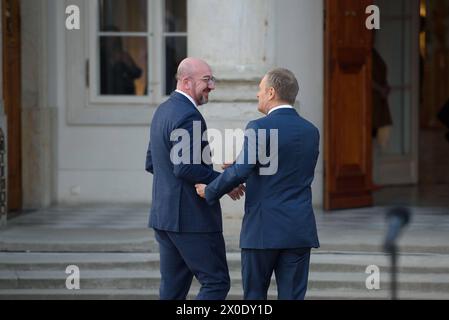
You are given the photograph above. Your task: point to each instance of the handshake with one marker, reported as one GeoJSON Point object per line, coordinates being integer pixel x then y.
{"type": "Point", "coordinates": [235, 194]}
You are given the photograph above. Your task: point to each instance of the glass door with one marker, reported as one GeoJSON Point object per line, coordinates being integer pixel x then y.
{"type": "Point", "coordinates": [396, 93]}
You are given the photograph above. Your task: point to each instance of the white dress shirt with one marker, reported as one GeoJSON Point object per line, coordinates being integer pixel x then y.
{"type": "Point", "coordinates": [285, 106]}
{"type": "Point", "coordinates": [188, 97]}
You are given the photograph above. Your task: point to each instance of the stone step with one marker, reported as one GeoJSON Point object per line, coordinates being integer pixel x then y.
{"type": "Point", "coordinates": [54, 239]}
{"type": "Point", "coordinates": [377, 248]}
{"type": "Point", "coordinates": [142, 240]}
{"type": "Point", "coordinates": [135, 279]}
{"type": "Point", "coordinates": [91, 261]}
{"type": "Point", "coordinates": [234, 294]}
{"type": "Point", "coordinates": [320, 262]}
{"type": "Point", "coordinates": [359, 261]}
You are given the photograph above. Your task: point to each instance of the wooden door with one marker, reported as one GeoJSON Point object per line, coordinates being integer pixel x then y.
{"type": "Point", "coordinates": [11, 97]}
{"type": "Point", "coordinates": [348, 142]}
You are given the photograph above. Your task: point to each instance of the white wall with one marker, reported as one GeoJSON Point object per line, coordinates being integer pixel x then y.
{"type": "Point", "coordinates": [95, 164]}
{"type": "Point", "coordinates": [299, 44]}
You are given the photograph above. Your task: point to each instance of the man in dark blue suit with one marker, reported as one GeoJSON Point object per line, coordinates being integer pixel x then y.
{"type": "Point", "coordinates": [279, 227]}
{"type": "Point", "coordinates": [188, 230]}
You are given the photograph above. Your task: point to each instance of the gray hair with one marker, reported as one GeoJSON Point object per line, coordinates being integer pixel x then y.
{"type": "Point", "coordinates": [284, 83]}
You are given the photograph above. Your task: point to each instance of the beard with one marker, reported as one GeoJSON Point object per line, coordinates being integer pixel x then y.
{"type": "Point", "coordinates": [204, 98]}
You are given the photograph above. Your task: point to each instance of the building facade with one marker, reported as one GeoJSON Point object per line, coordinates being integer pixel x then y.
{"type": "Point", "coordinates": [84, 145]}
{"type": "Point", "coordinates": [87, 95]}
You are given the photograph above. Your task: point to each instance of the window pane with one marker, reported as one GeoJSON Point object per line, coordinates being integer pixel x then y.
{"type": "Point", "coordinates": [175, 16]}
{"type": "Point", "coordinates": [123, 65]}
{"type": "Point", "coordinates": [123, 15]}
{"type": "Point", "coordinates": [175, 52]}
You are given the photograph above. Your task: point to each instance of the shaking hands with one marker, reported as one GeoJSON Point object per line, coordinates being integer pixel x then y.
{"type": "Point", "coordinates": [235, 194]}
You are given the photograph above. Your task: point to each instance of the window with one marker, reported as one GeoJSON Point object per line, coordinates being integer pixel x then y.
{"type": "Point", "coordinates": [122, 62]}
{"type": "Point", "coordinates": [122, 43]}
{"type": "Point", "coordinates": [136, 48]}
{"type": "Point", "coordinates": [175, 38]}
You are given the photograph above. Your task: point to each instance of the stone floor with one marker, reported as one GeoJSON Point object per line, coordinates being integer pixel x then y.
{"type": "Point", "coordinates": [123, 228]}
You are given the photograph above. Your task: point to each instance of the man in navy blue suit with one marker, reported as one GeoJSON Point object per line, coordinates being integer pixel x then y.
{"type": "Point", "coordinates": [188, 229]}
{"type": "Point", "coordinates": [279, 227]}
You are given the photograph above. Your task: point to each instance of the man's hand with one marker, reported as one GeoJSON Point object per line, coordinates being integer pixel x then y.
{"type": "Point", "coordinates": [237, 193]}
{"type": "Point", "coordinates": [226, 165]}
{"type": "Point", "coordinates": [201, 190]}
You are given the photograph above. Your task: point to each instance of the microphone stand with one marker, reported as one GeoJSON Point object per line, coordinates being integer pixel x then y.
{"type": "Point", "coordinates": [399, 217]}
{"type": "Point", "coordinates": [394, 286]}
{"type": "Point", "coordinates": [392, 250]}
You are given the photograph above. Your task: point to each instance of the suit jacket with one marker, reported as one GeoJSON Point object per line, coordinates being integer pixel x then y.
{"type": "Point", "coordinates": [278, 207]}
{"type": "Point", "coordinates": [176, 207]}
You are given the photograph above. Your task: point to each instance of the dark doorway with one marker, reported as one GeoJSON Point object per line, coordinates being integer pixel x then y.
{"type": "Point", "coordinates": [413, 166]}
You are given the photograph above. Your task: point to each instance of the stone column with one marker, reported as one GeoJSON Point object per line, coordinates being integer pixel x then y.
{"type": "Point", "coordinates": [237, 39]}
{"type": "Point", "coordinates": [38, 118]}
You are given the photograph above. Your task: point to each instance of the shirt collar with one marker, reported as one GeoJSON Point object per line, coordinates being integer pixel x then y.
{"type": "Point", "coordinates": [188, 97]}
{"type": "Point", "coordinates": [285, 106]}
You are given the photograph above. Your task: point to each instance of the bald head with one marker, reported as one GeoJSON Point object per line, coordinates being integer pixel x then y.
{"type": "Point", "coordinates": [190, 67]}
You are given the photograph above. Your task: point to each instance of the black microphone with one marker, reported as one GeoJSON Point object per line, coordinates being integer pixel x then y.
{"type": "Point", "coordinates": [398, 218]}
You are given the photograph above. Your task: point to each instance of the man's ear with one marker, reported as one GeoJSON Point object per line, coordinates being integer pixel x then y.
{"type": "Point", "coordinates": [186, 83]}
{"type": "Point", "coordinates": [272, 93]}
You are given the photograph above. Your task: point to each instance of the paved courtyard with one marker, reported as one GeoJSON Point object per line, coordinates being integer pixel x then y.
{"type": "Point", "coordinates": [124, 228]}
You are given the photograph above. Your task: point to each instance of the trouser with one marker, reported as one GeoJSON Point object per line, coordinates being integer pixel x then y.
{"type": "Point", "coordinates": [185, 255]}
{"type": "Point", "coordinates": [291, 267]}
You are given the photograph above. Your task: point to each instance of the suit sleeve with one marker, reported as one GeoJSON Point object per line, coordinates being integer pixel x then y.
{"type": "Point", "coordinates": [149, 160]}
{"type": "Point", "coordinates": [239, 172]}
{"type": "Point", "coordinates": [192, 171]}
